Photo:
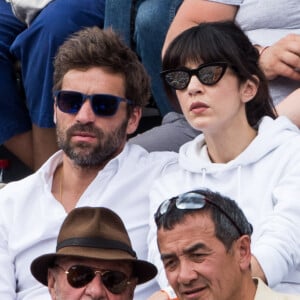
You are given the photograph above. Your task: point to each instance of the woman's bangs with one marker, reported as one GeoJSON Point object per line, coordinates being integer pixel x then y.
{"type": "Point", "coordinates": [198, 51]}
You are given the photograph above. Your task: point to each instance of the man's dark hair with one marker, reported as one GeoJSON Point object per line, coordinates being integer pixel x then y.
{"type": "Point", "coordinates": [229, 226]}
{"type": "Point", "coordinates": [94, 47]}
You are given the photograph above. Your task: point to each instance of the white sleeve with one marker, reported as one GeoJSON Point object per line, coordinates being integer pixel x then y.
{"type": "Point", "coordinates": [277, 246]}
{"type": "Point", "coordinates": [7, 274]}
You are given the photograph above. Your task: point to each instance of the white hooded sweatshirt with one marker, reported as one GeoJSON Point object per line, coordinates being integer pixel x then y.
{"type": "Point", "coordinates": [264, 180]}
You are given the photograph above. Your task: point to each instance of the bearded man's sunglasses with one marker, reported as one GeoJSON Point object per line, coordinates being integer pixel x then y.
{"type": "Point", "coordinates": [103, 105]}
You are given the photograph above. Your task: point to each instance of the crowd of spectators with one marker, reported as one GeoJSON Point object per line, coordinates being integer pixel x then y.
{"type": "Point", "coordinates": [175, 50]}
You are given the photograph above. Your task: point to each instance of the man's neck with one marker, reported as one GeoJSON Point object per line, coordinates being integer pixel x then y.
{"type": "Point", "coordinates": [248, 291]}
{"type": "Point", "coordinates": [70, 182]}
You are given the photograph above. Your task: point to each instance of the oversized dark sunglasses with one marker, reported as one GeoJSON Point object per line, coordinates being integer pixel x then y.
{"type": "Point", "coordinates": [102, 104]}
{"type": "Point", "coordinates": [194, 200]}
{"type": "Point", "coordinates": [79, 275]}
{"type": "Point", "coordinates": [208, 74]}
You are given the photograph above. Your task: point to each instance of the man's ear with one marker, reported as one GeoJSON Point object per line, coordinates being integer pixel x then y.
{"type": "Point", "coordinates": [51, 284]}
{"type": "Point", "coordinates": [249, 89]}
{"type": "Point", "coordinates": [244, 251]}
{"type": "Point", "coordinates": [54, 113]}
{"type": "Point", "coordinates": [134, 120]}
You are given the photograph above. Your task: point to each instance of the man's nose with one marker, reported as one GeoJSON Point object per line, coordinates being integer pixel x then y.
{"type": "Point", "coordinates": [86, 114]}
{"type": "Point", "coordinates": [96, 289]}
{"type": "Point", "coordinates": [186, 273]}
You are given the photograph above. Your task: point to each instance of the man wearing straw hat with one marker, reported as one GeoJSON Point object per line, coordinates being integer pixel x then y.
{"type": "Point", "coordinates": [94, 258]}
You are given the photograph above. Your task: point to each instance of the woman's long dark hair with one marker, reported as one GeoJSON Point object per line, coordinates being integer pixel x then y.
{"type": "Point", "coordinates": [222, 41]}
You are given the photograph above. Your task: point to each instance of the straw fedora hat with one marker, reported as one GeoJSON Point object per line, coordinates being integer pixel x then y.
{"type": "Point", "coordinates": [96, 233]}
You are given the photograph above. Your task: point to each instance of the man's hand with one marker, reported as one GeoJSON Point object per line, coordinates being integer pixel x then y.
{"type": "Point", "coordinates": [159, 296]}
{"type": "Point", "coordinates": [282, 58]}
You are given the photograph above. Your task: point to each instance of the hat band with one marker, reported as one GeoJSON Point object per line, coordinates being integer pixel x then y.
{"type": "Point", "coordinates": [96, 242]}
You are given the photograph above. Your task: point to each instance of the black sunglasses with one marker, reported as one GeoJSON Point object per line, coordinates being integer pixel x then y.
{"type": "Point", "coordinates": [102, 104]}
{"type": "Point", "coordinates": [208, 74]}
{"type": "Point", "coordinates": [193, 200]}
{"type": "Point", "coordinates": [79, 275]}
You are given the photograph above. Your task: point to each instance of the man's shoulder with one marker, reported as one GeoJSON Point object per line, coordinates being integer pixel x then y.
{"type": "Point", "coordinates": [263, 292]}
{"type": "Point", "coordinates": [29, 186]}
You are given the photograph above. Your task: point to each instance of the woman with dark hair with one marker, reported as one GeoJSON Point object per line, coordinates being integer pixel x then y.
{"type": "Point", "coordinates": [245, 151]}
{"type": "Point", "coordinates": [194, 46]}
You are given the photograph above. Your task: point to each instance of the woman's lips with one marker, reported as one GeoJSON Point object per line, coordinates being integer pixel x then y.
{"type": "Point", "coordinates": [198, 107]}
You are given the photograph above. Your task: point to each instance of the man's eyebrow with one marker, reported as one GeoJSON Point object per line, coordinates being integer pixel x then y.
{"type": "Point", "coordinates": [167, 256]}
{"type": "Point", "coordinates": [193, 248]}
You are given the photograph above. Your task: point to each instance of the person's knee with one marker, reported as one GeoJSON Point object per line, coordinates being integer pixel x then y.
{"type": "Point", "coordinates": [153, 14]}
{"type": "Point", "coordinates": [149, 14]}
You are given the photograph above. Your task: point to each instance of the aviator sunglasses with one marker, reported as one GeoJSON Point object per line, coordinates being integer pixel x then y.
{"type": "Point", "coordinates": [208, 74]}
{"type": "Point", "coordinates": [194, 200]}
{"type": "Point", "coordinates": [79, 275]}
{"type": "Point", "coordinates": [104, 105]}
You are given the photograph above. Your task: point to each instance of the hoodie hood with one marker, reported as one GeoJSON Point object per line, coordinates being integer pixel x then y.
{"type": "Point", "coordinates": [193, 156]}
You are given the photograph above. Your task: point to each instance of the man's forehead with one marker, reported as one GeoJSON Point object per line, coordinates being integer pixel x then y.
{"type": "Point", "coordinates": [199, 220]}
{"type": "Point", "coordinates": [101, 79]}
{"type": "Point", "coordinates": [194, 231]}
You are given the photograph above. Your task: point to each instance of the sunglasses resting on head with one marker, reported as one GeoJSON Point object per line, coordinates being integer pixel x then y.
{"type": "Point", "coordinates": [103, 105]}
{"type": "Point", "coordinates": [194, 200]}
{"type": "Point", "coordinates": [79, 276]}
{"type": "Point", "coordinates": [207, 74]}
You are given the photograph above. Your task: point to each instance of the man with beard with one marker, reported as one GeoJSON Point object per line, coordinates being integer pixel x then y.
{"type": "Point", "coordinates": [99, 90]}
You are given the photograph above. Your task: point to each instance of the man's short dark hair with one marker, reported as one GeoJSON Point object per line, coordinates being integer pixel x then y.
{"type": "Point", "coordinates": [229, 226]}
{"type": "Point", "coordinates": [95, 47]}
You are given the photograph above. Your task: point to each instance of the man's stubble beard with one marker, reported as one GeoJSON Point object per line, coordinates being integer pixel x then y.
{"type": "Point", "coordinates": [92, 156]}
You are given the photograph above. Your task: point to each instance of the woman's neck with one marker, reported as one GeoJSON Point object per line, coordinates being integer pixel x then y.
{"type": "Point", "coordinates": [225, 146]}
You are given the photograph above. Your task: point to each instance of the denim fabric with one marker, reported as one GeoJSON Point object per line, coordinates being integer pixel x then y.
{"type": "Point", "coordinates": [152, 20]}
{"type": "Point", "coordinates": [35, 48]}
{"type": "Point", "coordinates": [118, 17]}
{"type": "Point", "coordinates": [14, 117]}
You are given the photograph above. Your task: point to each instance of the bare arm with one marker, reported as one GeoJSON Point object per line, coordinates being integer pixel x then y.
{"type": "Point", "coordinates": [290, 107]}
{"type": "Point", "coordinates": [193, 12]}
